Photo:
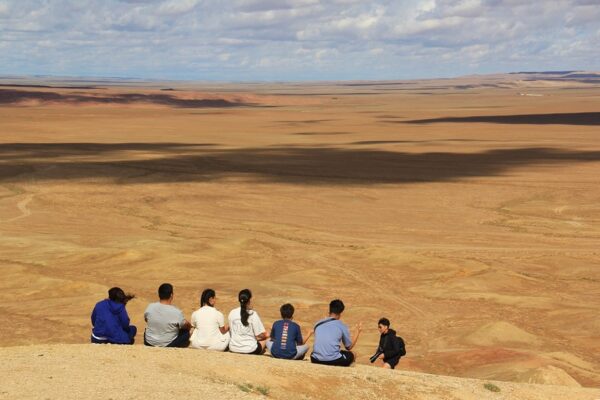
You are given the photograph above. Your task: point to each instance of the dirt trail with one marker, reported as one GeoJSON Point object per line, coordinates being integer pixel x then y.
{"type": "Point", "coordinates": [22, 206]}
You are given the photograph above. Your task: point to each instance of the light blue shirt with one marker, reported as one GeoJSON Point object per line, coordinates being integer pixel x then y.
{"type": "Point", "coordinates": [328, 337]}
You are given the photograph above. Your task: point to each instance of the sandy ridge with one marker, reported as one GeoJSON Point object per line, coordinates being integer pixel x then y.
{"type": "Point", "coordinates": [96, 371]}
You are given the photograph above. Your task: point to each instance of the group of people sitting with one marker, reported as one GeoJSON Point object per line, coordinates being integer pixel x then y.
{"type": "Point", "coordinates": [245, 332]}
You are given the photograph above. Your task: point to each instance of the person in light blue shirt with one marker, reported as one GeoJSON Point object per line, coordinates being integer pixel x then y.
{"type": "Point", "coordinates": [329, 332]}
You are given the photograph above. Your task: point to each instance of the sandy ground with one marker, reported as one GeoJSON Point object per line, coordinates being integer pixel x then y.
{"type": "Point", "coordinates": [466, 211]}
{"type": "Point", "coordinates": [113, 372]}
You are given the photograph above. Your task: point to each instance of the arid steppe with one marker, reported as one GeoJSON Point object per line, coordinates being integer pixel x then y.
{"type": "Point", "coordinates": [467, 211]}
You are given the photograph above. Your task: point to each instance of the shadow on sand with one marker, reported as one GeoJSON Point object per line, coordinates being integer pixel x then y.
{"type": "Point", "coordinates": [585, 118]}
{"type": "Point", "coordinates": [9, 96]}
{"type": "Point", "coordinates": [183, 162]}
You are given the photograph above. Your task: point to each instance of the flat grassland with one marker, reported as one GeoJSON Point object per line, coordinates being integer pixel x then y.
{"type": "Point", "coordinates": [466, 211]}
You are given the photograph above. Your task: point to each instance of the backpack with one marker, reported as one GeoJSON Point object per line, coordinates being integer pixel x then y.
{"type": "Point", "coordinates": [399, 345]}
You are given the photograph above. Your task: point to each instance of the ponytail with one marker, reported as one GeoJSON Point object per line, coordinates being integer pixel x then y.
{"type": "Point", "coordinates": [117, 295]}
{"type": "Point", "coordinates": [206, 295]}
{"type": "Point", "coordinates": [244, 297]}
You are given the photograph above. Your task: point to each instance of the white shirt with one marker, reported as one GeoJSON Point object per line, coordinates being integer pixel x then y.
{"type": "Point", "coordinates": [243, 338]}
{"type": "Point", "coordinates": [207, 320]}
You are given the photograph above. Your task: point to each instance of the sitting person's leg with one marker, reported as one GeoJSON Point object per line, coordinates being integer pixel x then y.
{"type": "Point", "coordinates": [220, 345]}
{"type": "Point", "coordinates": [132, 331]}
{"type": "Point", "coordinates": [269, 345]}
{"type": "Point", "coordinates": [345, 360]}
{"type": "Point", "coordinates": [98, 340]}
{"type": "Point", "coordinates": [391, 362]}
{"type": "Point", "coordinates": [145, 341]}
{"type": "Point", "coordinates": [260, 348]}
{"type": "Point", "coordinates": [182, 339]}
{"type": "Point", "coordinates": [301, 351]}
{"type": "Point", "coordinates": [263, 346]}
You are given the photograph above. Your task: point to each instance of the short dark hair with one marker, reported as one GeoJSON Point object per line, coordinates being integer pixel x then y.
{"type": "Point", "coordinates": [165, 291]}
{"type": "Point", "coordinates": [336, 307]}
{"type": "Point", "coordinates": [287, 311]}
{"type": "Point", "coordinates": [384, 321]}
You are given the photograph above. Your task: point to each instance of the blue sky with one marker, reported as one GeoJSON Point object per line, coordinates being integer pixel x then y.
{"type": "Point", "coordinates": [273, 40]}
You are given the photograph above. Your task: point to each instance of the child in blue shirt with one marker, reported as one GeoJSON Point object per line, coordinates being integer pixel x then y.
{"type": "Point", "coordinates": [286, 337]}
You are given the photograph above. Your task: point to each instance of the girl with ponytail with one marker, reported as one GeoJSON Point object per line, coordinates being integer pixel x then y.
{"type": "Point", "coordinates": [244, 298]}
{"type": "Point", "coordinates": [210, 331]}
{"type": "Point", "coordinates": [248, 334]}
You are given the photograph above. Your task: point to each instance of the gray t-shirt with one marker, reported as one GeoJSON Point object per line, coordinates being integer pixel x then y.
{"type": "Point", "coordinates": [163, 323]}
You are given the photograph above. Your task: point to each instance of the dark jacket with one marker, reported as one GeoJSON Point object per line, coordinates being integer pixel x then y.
{"type": "Point", "coordinates": [110, 320]}
{"type": "Point", "coordinates": [389, 345]}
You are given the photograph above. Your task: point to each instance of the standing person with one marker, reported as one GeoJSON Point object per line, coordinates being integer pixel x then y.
{"type": "Point", "coordinates": [286, 337]}
{"type": "Point", "coordinates": [329, 332]}
{"type": "Point", "coordinates": [110, 320]}
{"type": "Point", "coordinates": [391, 347]}
{"type": "Point", "coordinates": [210, 331]}
{"type": "Point", "coordinates": [166, 325]}
{"type": "Point", "coordinates": [248, 334]}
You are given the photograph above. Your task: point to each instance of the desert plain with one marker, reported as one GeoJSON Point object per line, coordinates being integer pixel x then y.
{"type": "Point", "coordinates": [465, 210]}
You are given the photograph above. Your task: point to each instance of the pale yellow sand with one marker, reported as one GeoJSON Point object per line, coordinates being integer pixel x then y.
{"type": "Point", "coordinates": [97, 371]}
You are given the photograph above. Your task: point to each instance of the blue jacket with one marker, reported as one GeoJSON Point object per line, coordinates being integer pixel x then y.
{"type": "Point", "coordinates": [110, 320]}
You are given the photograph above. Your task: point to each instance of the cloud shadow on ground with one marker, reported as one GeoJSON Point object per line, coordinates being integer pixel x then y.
{"type": "Point", "coordinates": [185, 162]}
{"type": "Point", "coordinates": [10, 97]}
{"type": "Point", "coordinates": [584, 118]}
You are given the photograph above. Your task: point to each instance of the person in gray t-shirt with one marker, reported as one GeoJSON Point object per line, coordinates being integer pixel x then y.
{"type": "Point", "coordinates": [166, 325]}
{"type": "Point", "coordinates": [329, 332]}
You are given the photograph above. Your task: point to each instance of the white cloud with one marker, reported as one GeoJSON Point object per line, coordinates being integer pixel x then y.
{"type": "Point", "coordinates": [174, 7]}
{"type": "Point", "coordinates": [3, 9]}
{"type": "Point", "coordinates": [295, 39]}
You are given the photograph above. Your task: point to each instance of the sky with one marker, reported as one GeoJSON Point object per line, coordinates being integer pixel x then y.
{"type": "Point", "coordinates": [296, 40]}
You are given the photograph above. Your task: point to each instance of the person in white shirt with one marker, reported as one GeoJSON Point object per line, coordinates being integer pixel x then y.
{"type": "Point", "coordinates": [208, 324]}
{"type": "Point", "coordinates": [248, 335]}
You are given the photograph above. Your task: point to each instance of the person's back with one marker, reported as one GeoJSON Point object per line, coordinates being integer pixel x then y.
{"type": "Point", "coordinates": [166, 325]}
{"type": "Point", "coordinates": [243, 337]}
{"type": "Point", "coordinates": [110, 320]}
{"type": "Point", "coordinates": [329, 332]}
{"type": "Point", "coordinates": [163, 322]}
{"type": "Point", "coordinates": [286, 336]}
{"type": "Point", "coordinates": [207, 322]}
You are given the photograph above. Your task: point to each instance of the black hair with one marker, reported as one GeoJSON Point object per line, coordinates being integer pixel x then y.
{"type": "Point", "coordinates": [287, 311]}
{"type": "Point", "coordinates": [244, 297]}
{"type": "Point", "coordinates": [206, 295]}
{"type": "Point", "coordinates": [384, 322]}
{"type": "Point", "coordinates": [336, 307]}
{"type": "Point", "coordinates": [117, 295]}
{"type": "Point", "coordinates": [165, 291]}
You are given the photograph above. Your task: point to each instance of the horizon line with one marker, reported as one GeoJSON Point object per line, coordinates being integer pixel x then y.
{"type": "Point", "coordinates": [125, 79]}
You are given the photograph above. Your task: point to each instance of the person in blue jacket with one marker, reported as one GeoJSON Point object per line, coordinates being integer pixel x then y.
{"type": "Point", "coordinates": [110, 319]}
